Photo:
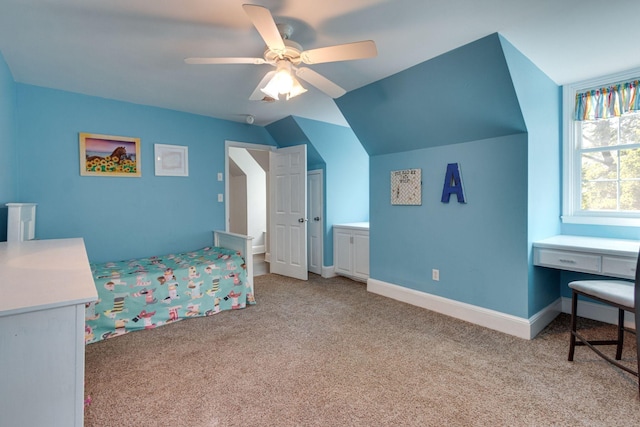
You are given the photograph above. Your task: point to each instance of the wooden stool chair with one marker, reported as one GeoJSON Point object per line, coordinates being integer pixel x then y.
{"type": "Point", "coordinates": [617, 293]}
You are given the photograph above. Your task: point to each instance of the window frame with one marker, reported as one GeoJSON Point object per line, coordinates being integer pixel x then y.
{"type": "Point", "coordinates": [571, 166]}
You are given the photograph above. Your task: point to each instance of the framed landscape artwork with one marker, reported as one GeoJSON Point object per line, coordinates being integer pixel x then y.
{"type": "Point", "coordinates": [107, 155]}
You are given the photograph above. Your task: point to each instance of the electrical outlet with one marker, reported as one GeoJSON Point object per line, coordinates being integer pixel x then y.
{"type": "Point", "coordinates": [220, 197]}
{"type": "Point", "coordinates": [219, 176]}
{"type": "Point", "coordinates": [435, 275]}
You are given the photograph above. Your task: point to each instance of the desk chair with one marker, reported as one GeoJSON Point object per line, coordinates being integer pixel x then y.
{"type": "Point", "coordinates": [617, 293]}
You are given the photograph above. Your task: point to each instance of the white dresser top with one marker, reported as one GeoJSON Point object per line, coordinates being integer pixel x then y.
{"type": "Point", "coordinates": [354, 225]}
{"type": "Point", "coordinates": [600, 245]}
{"type": "Point", "coordinates": [43, 274]}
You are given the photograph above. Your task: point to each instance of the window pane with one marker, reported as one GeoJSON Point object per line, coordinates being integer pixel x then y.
{"type": "Point", "coordinates": [630, 164]}
{"type": "Point", "coordinates": [630, 128]}
{"type": "Point", "coordinates": [599, 165]}
{"type": "Point", "coordinates": [630, 195]}
{"type": "Point", "coordinates": [599, 195]}
{"type": "Point", "coordinates": [599, 133]}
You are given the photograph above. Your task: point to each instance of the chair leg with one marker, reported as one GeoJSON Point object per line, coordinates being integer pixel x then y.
{"type": "Point", "coordinates": [637, 313]}
{"type": "Point", "coordinates": [574, 316]}
{"type": "Point", "coordinates": [620, 334]}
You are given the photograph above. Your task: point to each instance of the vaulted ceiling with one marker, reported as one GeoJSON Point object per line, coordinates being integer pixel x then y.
{"type": "Point", "coordinates": [134, 50]}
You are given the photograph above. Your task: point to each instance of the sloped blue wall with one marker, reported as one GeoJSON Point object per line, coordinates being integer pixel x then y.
{"type": "Point", "coordinates": [463, 95]}
{"type": "Point", "coordinates": [121, 218]}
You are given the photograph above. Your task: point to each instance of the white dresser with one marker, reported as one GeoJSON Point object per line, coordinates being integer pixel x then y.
{"type": "Point", "coordinates": [351, 250]}
{"type": "Point", "coordinates": [45, 285]}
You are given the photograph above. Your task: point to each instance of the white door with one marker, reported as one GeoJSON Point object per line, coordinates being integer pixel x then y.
{"type": "Point", "coordinates": [316, 221]}
{"type": "Point", "coordinates": [288, 230]}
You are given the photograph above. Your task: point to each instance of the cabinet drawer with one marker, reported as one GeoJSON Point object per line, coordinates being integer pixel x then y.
{"type": "Point", "coordinates": [567, 260]}
{"type": "Point", "coordinates": [619, 267]}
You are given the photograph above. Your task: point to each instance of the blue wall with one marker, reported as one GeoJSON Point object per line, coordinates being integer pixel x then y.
{"type": "Point", "coordinates": [8, 166]}
{"type": "Point", "coordinates": [479, 247]}
{"type": "Point", "coordinates": [121, 218]}
{"type": "Point", "coordinates": [540, 100]}
{"type": "Point", "coordinates": [345, 163]}
{"type": "Point", "coordinates": [464, 107]}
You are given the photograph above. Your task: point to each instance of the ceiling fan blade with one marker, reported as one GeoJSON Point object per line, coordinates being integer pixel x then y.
{"type": "Point", "coordinates": [266, 26]}
{"type": "Point", "coordinates": [257, 94]}
{"type": "Point", "coordinates": [321, 82]}
{"type": "Point", "coordinates": [341, 52]}
{"type": "Point", "coordinates": [198, 61]}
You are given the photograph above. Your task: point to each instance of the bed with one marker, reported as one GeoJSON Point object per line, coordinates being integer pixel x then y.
{"type": "Point", "coordinates": [149, 292]}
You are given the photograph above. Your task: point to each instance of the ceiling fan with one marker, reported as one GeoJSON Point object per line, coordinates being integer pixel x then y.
{"type": "Point", "coordinates": [287, 55]}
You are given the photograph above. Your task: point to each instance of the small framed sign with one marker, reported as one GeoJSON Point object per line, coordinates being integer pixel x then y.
{"type": "Point", "coordinates": [171, 160]}
{"type": "Point", "coordinates": [406, 187]}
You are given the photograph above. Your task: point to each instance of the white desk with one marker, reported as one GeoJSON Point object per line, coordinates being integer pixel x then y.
{"type": "Point", "coordinates": [595, 255]}
{"type": "Point", "coordinates": [44, 286]}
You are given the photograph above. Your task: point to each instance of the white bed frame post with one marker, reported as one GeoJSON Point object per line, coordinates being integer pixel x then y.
{"type": "Point", "coordinates": [240, 243]}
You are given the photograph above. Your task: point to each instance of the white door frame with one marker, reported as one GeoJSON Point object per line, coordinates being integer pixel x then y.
{"type": "Point", "coordinates": [248, 146]}
{"type": "Point", "coordinates": [313, 222]}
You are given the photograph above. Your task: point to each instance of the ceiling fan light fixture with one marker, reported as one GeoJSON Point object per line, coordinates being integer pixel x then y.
{"type": "Point", "coordinates": [271, 90]}
{"type": "Point", "coordinates": [283, 82]}
{"type": "Point", "coordinates": [296, 90]}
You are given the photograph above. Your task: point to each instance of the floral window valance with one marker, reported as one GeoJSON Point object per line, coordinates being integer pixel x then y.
{"type": "Point", "coordinates": [607, 102]}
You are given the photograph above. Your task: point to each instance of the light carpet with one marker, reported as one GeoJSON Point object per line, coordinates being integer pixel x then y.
{"type": "Point", "coordinates": [327, 353]}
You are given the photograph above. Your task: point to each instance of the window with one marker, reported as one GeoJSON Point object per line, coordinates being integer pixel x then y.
{"type": "Point", "coordinates": [601, 176]}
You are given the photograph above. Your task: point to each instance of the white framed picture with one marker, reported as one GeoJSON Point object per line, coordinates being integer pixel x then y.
{"type": "Point", "coordinates": [171, 160]}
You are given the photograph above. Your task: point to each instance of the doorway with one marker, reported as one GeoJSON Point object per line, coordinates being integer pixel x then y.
{"type": "Point", "coordinates": [247, 211]}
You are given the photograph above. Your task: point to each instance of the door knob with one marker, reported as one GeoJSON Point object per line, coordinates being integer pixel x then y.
{"type": "Point", "coordinates": [316, 218]}
{"type": "Point", "coordinates": [301, 220]}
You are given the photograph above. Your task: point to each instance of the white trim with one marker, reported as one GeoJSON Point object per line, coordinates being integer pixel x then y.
{"type": "Point", "coordinates": [319, 172]}
{"type": "Point", "coordinates": [509, 324]}
{"type": "Point", "coordinates": [328, 272]}
{"type": "Point", "coordinates": [600, 312]}
{"type": "Point", "coordinates": [570, 170]}
{"type": "Point", "coordinates": [601, 220]}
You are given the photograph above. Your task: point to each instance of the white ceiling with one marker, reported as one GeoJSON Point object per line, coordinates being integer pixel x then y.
{"type": "Point", "coordinates": [134, 50]}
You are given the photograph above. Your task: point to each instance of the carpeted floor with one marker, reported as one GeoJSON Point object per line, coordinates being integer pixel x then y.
{"type": "Point", "coordinates": [327, 353]}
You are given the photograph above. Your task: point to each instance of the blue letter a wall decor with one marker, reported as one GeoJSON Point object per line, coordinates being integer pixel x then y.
{"type": "Point", "coordinates": [453, 184]}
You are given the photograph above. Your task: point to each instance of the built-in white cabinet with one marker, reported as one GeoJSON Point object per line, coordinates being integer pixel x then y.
{"type": "Point", "coordinates": [595, 255]}
{"type": "Point", "coordinates": [351, 250]}
{"type": "Point", "coordinates": [45, 285]}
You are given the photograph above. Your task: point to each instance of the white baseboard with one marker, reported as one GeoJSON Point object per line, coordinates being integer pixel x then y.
{"type": "Point", "coordinates": [258, 249]}
{"type": "Point", "coordinates": [509, 324]}
{"type": "Point", "coordinates": [599, 312]}
{"type": "Point", "coordinates": [328, 272]}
